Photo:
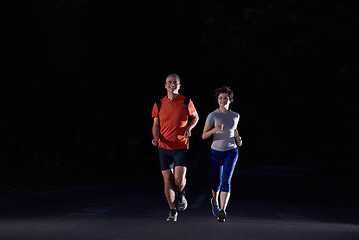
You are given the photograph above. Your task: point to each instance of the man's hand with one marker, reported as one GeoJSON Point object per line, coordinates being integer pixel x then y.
{"type": "Point", "coordinates": [154, 142]}
{"type": "Point", "coordinates": [187, 133]}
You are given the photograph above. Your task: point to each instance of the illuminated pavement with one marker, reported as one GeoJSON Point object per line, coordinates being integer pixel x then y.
{"type": "Point", "coordinates": [123, 210]}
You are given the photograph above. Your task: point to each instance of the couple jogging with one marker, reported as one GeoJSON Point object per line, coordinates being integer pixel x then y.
{"type": "Point", "coordinates": [174, 117]}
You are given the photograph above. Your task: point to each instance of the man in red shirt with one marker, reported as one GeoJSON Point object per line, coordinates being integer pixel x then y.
{"type": "Point", "coordinates": [173, 121]}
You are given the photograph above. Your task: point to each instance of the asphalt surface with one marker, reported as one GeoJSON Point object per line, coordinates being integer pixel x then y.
{"type": "Point", "coordinates": [261, 207]}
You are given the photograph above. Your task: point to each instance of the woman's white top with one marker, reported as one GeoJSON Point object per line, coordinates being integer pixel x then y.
{"type": "Point", "coordinates": [223, 140]}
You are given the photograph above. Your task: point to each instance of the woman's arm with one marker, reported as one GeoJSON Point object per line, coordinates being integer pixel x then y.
{"type": "Point", "coordinates": [237, 137]}
{"type": "Point", "coordinates": [207, 131]}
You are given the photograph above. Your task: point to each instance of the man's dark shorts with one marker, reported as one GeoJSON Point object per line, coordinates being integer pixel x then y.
{"type": "Point", "coordinates": [172, 158]}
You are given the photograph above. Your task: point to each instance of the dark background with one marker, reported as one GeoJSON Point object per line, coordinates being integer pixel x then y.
{"type": "Point", "coordinates": [80, 79]}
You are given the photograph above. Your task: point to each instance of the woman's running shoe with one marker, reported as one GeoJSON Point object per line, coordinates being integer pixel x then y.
{"type": "Point", "coordinates": [222, 216]}
{"type": "Point", "coordinates": [215, 208]}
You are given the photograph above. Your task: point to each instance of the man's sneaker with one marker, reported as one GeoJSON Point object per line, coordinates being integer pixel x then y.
{"type": "Point", "coordinates": [181, 201]}
{"type": "Point", "coordinates": [172, 217]}
{"type": "Point", "coordinates": [222, 216]}
{"type": "Point", "coordinates": [215, 208]}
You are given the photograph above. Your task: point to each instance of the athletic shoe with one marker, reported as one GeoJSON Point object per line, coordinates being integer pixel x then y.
{"type": "Point", "coordinates": [222, 216]}
{"type": "Point", "coordinates": [181, 201]}
{"type": "Point", "coordinates": [172, 217]}
{"type": "Point", "coordinates": [215, 208]}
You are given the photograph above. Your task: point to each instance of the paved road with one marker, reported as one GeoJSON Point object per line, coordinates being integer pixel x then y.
{"type": "Point", "coordinates": [124, 210]}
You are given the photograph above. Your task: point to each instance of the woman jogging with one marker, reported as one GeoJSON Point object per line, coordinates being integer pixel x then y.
{"type": "Point", "coordinates": [222, 125]}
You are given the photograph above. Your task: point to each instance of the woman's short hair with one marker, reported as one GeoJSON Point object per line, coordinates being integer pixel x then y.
{"type": "Point", "coordinates": [224, 89]}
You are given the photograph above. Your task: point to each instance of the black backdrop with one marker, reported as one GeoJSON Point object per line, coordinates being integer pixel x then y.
{"type": "Point", "coordinates": [80, 79]}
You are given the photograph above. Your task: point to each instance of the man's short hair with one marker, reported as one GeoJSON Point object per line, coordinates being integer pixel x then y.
{"type": "Point", "coordinates": [174, 76]}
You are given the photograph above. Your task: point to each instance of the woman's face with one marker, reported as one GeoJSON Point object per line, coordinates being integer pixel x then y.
{"type": "Point", "coordinates": [223, 100]}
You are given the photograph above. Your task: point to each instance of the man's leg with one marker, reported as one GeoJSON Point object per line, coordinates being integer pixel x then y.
{"type": "Point", "coordinates": [169, 188]}
{"type": "Point", "coordinates": [180, 181]}
{"type": "Point", "coordinates": [180, 177]}
{"type": "Point", "coordinates": [180, 162]}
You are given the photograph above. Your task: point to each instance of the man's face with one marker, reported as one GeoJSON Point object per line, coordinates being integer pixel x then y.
{"type": "Point", "coordinates": [172, 85]}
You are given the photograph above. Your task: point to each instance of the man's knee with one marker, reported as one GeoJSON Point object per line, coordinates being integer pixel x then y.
{"type": "Point", "coordinates": [180, 181]}
{"type": "Point", "coordinates": [168, 181]}
{"type": "Point", "coordinates": [167, 177]}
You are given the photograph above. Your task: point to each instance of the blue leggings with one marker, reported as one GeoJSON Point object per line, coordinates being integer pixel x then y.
{"type": "Point", "coordinates": [223, 163]}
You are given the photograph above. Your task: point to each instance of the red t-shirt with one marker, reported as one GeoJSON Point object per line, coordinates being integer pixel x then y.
{"type": "Point", "coordinates": [173, 122]}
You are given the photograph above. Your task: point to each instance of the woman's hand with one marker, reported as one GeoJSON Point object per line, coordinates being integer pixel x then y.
{"type": "Point", "coordinates": [239, 140]}
{"type": "Point", "coordinates": [219, 127]}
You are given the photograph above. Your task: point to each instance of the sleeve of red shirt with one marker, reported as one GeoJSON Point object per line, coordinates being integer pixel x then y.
{"type": "Point", "coordinates": [154, 111]}
{"type": "Point", "coordinates": [191, 108]}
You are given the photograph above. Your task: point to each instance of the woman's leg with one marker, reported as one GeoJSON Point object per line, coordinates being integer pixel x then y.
{"type": "Point", "coordinates": [217, 169]}
{"type": "Point", "coordinates": [224, 200]}
{"type": "Point", "coordinates": [229, 164]}
{"type": "Point", "coordinates": [215, 196]}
